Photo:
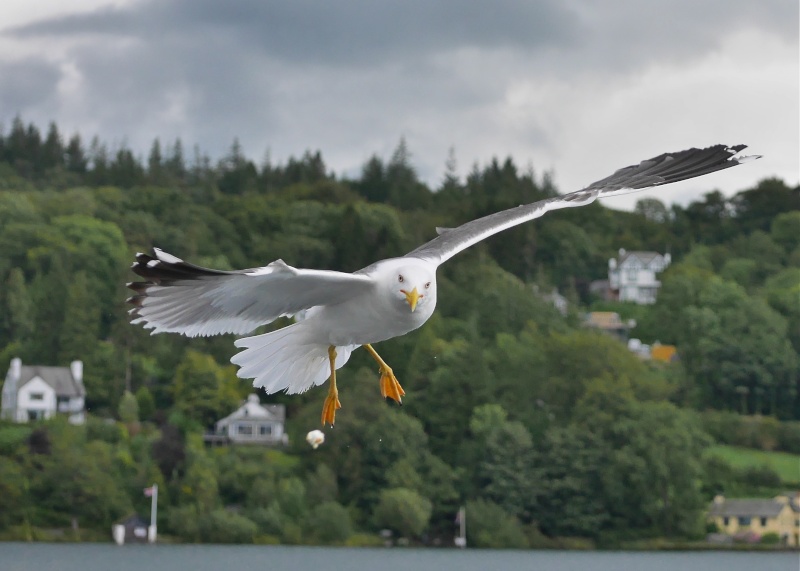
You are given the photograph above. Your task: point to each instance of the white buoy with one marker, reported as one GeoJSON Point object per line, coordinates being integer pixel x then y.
{"type": "Point", "coordinates": [315, 438]}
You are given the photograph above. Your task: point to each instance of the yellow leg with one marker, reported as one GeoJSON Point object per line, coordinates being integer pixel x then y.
{"type": "Point", "coordinates": [389, 385]}
{"type": "Point", "coordinates": [332, 403]}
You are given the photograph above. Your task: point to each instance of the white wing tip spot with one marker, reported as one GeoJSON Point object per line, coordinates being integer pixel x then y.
{"type": "Point", "coordinates": [165, 257]}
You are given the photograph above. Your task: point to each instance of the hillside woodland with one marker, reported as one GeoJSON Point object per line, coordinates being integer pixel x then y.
{"type": "Point", "coordinates": [549, 432]}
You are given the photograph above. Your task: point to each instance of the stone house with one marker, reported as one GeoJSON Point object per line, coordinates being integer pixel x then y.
{"type": "Point", "coordinates": [779, 515]}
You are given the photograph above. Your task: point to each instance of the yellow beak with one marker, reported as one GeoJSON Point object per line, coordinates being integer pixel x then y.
{"type": "Point", "coordinates": [412, 297]}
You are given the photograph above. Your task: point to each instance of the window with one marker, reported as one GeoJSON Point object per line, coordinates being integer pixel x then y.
{"type": "Point", "coordinates": [35, 414]}
{"type": "Point", "coordinates": [37, 396]}
{"type": "Point", "coordinates": [245, 429]}
{"type": "Point", "coordinates": [265, 429]}
{"type": "Point", "coordinates": [726, 520]}
{"type": "Point", "coordinates": [62, 404]}
{"type": "Point", "coordinates": [743, 520]}
{"type": "Point", "coordinates": [632, 273]}
{"type": "Point", "coordinates": [763, 522]}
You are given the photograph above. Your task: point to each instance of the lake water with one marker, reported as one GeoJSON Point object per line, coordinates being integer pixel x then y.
{"type": "Point", "coordinates": [109, 557]}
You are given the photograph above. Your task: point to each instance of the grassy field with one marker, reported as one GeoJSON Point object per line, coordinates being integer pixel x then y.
{"type": "Point", "coordinates": [786, 465]}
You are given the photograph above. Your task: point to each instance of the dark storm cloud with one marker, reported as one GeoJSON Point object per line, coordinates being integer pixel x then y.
{"type": "Point", "coordinates": [365, 32]}
{"type": "Point", "coordinates": [330, 33]}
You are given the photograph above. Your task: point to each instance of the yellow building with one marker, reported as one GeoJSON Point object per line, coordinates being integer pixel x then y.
{"type": "Point", "coordinates": [665, 353]}
{"type": "Point", "coordinates": [779, 515]}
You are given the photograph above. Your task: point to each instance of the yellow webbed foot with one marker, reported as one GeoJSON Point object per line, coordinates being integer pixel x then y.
{"type": "Point", "coordinates": [331, 404]}
{"type": "Point", "coordinates": [390, 387]}
{"type": "Point", "coordinates": [329, 408]}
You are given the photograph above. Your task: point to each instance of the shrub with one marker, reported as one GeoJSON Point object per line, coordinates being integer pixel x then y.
{"type": "Point", "coordinates": [761, 432]}
{"type": "Point", "coordinates": [267, 539]}
{"type": "Point", "coordinates": [491, 526]}
{"type": "Point", "coordinates": [262, 493]}
{"type": "Point", "coordinates": [13, 437]}
{"type": "Point", "coordinates": [184, 522]}
{"type": "Point", "coordinates": [329, 522]}
{"type": "Point", "coordinates": [364, 540]}
{"type": "Point", "coordinates": [147, 405]}
{"type": "Point", "coordinates": [722, 426]}
{"type": "Point", "coordinates": [105, 430]}
{"type": "Point", "coordinates": [770, 538]}
{"type": "Point", "coordinates": [223, 526]}
{"type": "Point", "coordinates": [404, 511]}
{"type": "Point", "coordinates": [761, 476]}
{"type": "Point", "coordinates": [12, 496]}
{"type": "Point", "coordinates": [789, 437]}
{"type": "Point", "coordinates": [128, 409]}
{"type": "Point", "coordinates": [269, 519]}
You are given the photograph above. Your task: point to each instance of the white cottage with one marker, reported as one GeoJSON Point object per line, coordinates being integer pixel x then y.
{"type": "Point", "coordinates": [33, 392]}
{"type": "Point", "coordinates": [254, 423]}
{"type": "Point", "coordinates": [632, 276]}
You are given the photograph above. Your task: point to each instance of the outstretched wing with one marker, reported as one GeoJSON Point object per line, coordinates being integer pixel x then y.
{"type": "Point", "coordinates": [179, 297]}
{"type": "Point", "coordinates": [663, 169]}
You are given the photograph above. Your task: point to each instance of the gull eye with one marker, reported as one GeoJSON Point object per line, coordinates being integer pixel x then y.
{"type": "Point", "coordinates": [428, 285]}
{"type": "Point", "coordinates": [400, 278]}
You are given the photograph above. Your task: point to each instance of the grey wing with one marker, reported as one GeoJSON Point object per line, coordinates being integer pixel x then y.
{"type": "Point", "coordinates": [179, 297]}
{"type": "Point", "coordinates": [663, 169]}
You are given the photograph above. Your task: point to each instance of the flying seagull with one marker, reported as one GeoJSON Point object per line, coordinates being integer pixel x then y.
{"type": "Point", "coordinates": [342, 311]}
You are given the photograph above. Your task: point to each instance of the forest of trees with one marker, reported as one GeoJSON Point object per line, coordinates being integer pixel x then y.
{"type": "Point", "coordinates": [549, 432]}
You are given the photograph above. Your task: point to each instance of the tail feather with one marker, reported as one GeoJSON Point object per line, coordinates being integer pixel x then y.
{"type": "Point", "coordinates": [286, 360]}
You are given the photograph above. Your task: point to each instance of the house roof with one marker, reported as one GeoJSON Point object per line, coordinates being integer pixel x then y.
{"type": "Point", "coordinates": [252, 409]}
{"type": "Point", "coordinates": [133, 520]}
{"type": "Point", "coordinates": [746, 508]}
{"type": "Point", "coordinates": [60, 378]}
{"type": "Point", "coordinates": [608, 320]}
{"type": "Point", "coordinates": [644, 257]}
{"type": "Point", "coordinates": [663, 352]}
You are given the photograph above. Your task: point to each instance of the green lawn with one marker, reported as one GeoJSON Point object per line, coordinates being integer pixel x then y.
{"type": "Point", "coordinates": [786, 465]}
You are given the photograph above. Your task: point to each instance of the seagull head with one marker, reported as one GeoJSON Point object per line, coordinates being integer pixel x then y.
{"type": "Point", "coordinates": [414, 287]}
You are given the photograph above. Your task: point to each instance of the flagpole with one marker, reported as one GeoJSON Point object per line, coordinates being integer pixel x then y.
{"type": "Point", "coordinates": [461, 520]}
{"type": "Point", "coordinates": [464, 525]}
{"type": "Point", "coordinates": [151, 536]}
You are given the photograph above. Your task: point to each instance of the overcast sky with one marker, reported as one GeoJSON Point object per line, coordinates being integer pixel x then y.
{"type": "Point", "coordinates": [577, 87]}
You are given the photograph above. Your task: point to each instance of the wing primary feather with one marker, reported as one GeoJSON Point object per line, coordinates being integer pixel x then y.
{"type": "Point", "coordinates": [179, 297]}
{"type": "Point", "coordinates": [663, 169]}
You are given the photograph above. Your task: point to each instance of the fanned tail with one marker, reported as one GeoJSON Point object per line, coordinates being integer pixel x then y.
{"type": "Point", "coordinates": [286, 360]}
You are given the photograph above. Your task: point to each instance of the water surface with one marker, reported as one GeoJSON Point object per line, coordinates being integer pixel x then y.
{"type": "Point", "coordinates": [109, 557]}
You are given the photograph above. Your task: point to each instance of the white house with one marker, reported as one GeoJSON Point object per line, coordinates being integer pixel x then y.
{"type": "Point", "coordinates": [33, 392]}
{"type": "Point", "coordinates": [632, 276]}
{"type": "Point", "coordinates": [253, 423]}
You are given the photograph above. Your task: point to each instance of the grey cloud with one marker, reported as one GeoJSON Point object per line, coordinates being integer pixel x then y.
{"type": "Point", "coordinates": [367, 33]}
{"type": "Point", "coordinates": [625, 33]}
{"type": "Point", "coordinates": [351, 76]}
{"type": "Point", "coordinates": [27, 83]}
{"type": "Point", "coordinates": [357, 32]}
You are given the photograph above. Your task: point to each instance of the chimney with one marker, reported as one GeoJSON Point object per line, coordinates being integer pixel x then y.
{"type": "Point", "coordinates": [76, 367]}
{"type": "Point", "coordinates": [15, 370]}
{"type": "Point", "coordinates": [667, 259]}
